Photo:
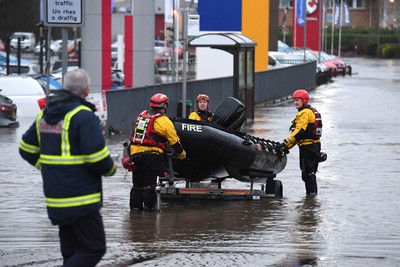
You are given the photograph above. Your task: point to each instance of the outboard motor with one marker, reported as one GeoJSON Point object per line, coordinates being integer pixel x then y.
{"type": "Point", "coordinates": [230, 113]}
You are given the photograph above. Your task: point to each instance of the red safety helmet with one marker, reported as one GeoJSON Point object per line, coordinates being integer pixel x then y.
{"type": "Point", "coordinates": [159, 101]}
{"type": "Point", "coordinates": [203, 97]}
{"type": "Point", "coordinates": [303, 94]}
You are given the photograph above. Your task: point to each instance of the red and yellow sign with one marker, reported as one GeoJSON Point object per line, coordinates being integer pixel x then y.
{"type": "Point", "coordinates": [313, 25]}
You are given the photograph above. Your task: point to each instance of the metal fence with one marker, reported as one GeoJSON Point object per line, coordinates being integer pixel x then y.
{"type": "Point", "coordinates": [123, 105]}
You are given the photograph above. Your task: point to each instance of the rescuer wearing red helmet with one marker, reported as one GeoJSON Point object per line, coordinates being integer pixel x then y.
{"type": "Point", "coordinates": [306, 130]}
{"type": "Point", "coordinates": [151, 133]}
{"type": "Point", "coordinates": [202, 112]}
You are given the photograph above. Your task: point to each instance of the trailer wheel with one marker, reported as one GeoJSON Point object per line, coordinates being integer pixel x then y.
{"type": "Point", "coordinates": [274, 188]}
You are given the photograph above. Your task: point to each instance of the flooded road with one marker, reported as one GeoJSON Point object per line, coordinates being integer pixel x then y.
{"type": "Point", "coordinates": [354, 221]}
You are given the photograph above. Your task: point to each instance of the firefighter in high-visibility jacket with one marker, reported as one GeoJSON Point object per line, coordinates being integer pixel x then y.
{"type": "Point", "coordinates": [151, 133]}
{"type": "Point", "coordinates": [202, 113]}
{"type": "Point", "coordinates": [66, 144]}
{"type": "Point", "coordinates": [306, 131]}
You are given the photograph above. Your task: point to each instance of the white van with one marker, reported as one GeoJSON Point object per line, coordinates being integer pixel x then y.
{"type": "Point", "coordinates": [24, 91]}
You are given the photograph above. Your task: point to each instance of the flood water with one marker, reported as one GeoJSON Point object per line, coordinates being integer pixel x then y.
{"type": "Point", "coordinates": [353, 221]}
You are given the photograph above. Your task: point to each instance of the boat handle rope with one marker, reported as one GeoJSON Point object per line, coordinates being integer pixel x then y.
{"type": "Point", "coordinates": [266, 144]}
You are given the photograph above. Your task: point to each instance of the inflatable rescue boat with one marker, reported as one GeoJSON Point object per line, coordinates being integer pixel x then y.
{"type": "Point", "coordinates": [218, 146]}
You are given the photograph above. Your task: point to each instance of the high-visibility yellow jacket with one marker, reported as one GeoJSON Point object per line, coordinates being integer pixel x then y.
{"type": "Point", "coordinates": [303, 127]}
{"type": "Point", "coordinates": [200, 115]}
{"type": "Point", "coordinates": [162, 127]}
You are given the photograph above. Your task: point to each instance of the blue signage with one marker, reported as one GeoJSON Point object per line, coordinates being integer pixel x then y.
{"type": "Point", "coordinates": [220, 15]}
{"type": "Point", "coordinates": [300, 12]}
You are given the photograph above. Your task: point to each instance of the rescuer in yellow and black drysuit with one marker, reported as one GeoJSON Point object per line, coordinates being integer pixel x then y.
{"type": "Point", "coordinates": [67, 145]}
{"type": "Point", "coordinates": [151, 133]}
{"type": "Point", "coordinates": [306, 131]}
{"type": "Point", "coordinates": [202, 113]}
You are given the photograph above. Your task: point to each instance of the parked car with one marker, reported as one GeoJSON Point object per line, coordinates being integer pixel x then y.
{"type": "Point", "coordinates": [160, 43]}
{"type": "Point", "coordinates": [28, 69]}
{"type": "Point", "coordinates": [13, 59]}
{"type": "Point", "coordinates": [2, 46]}
{"type": "Point", "coordinates": [55, 47]}
{"type": "Point", "coordinates": [282, 59]}
{"type": "Point", "coordinates": [310, 56]}
{"type": "Point", "coordinates": [114, 51]}
{"type": "Point", "coordinates": [291, 57]}
{"type": "Point", "coordinates": [71, 45]}
{"type": "Point", "coordinates": [117, 79]}
{"type": "Point", "coordinates": [54, 84]}
{"type": "Point", "coordinates": [122, 9]}
{"type": "Point", "coordinates": [57, 66]}
{"type": "Point", "coordinates": [24, 91]}
{"type": "Point", "coordinates": [42, 103]}
{"type": "Point", "coordinates": [282, 47]}
{"type": "Point", "coordinates": [162, 57]}
{"type": "Point", "coordinates": [179, 49]}
{"type": "Point", "coordinates": [8, 112]}
{"type": "Point", "coordinates": [341, 67]}
{"type": "Point", "coordinates": [26, 66]}
{"type": "Point", "coordinates": [28, 41]}
{"type": "Point", "coordinates": [162, 52]}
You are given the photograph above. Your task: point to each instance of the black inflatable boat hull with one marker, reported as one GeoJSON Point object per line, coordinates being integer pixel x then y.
{"type": "Point", "coordinates": [212, 149]}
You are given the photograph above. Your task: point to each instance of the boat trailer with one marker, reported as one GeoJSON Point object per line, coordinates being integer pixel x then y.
{"type": "Point", "coordinates": [167, 189]}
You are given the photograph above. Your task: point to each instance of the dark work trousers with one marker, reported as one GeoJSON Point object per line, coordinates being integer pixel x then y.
{"type": "Point", "coordinates": [83, 242]}
{"type": "Point", "coordinates": [309, 159]}
{"type": "Point", "coordinates": [144, 179]}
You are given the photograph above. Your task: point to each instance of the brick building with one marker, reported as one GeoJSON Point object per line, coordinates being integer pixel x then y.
{"type": "Point", "coordinates": [363, 13]}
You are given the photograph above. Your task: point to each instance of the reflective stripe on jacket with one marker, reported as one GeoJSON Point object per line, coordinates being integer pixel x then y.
{"type": "Point", "coordinates": [145, 134]}
{"type": "Point", "coordinates": [164, 126]}
{"type": "Point", "coordinates": [66, 158]}
{"type": "Point", "coordinates": [72, 157]}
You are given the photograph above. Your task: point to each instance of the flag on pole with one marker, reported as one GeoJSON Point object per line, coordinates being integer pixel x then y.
{"type": "Point", "coordinates": [284, 18]}
{"type": "Point", "coordinates": [169, 11]}
{"type": "Point", "coordinates": [342, 17]}
{"type": "Point", "coordinates": [300, 13]}
{"type": "Point", "coordinates": [346, 15]}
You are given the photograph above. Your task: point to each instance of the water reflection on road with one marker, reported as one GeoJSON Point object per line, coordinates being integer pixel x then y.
{"type": "Point", "coordinates": [352, 222]}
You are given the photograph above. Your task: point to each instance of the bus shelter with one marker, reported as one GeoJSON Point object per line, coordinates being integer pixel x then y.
{"type": "Point", "coordinates": [242, 49]}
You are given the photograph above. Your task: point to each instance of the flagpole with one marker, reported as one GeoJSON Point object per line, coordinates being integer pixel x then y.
{"type": "Point", "coordinates": [320, 22]}
{"type": "Point", "coordinates": [333, 24]}
{"type": "Point", "coordinates": [340, 27]}
{"type": "Point", "coordinates": [305, 29]}
{"type": "Point", "coordinates": [295, 26]}
{"type": "Point", "coordinates": [323, 31]}
{"type": "Point", "coordinates": [284, 24]}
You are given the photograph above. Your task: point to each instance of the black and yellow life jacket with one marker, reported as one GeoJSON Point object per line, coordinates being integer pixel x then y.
{"type": "Point", "coordinates": [143, 132]}
{"type": "Point", "coordinates": [314, 129]}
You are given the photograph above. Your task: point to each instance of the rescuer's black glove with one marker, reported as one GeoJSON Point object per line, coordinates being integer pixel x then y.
{"type": "Point", "coordinates": [281, 150]}
{"type": "Point", "coordinates": [322, 157]}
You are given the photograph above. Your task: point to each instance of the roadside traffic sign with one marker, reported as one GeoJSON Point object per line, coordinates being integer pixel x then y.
{"type": "Point", "coordinates": [60, 13]}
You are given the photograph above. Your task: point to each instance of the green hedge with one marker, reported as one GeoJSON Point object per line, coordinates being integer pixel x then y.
{"type": "Point", "coordinates": [362, 41]}
{"type": "Point", "coordinates": [389, 51]}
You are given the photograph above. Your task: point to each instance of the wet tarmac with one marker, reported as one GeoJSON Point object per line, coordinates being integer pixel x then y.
{"type": "Point", "coordinates": [353, 221]}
